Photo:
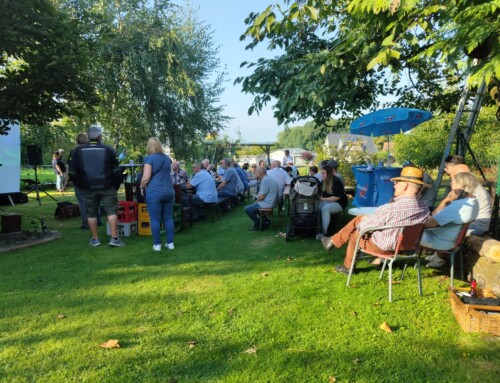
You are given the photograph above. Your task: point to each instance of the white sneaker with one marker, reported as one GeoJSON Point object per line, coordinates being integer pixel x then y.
{"type": "Point", "coordinates": [170, 246]}
{"type": "Point", "coordinates": [157, 247]}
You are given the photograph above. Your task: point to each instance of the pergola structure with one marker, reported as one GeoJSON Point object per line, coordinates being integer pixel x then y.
{"type": "Point", "coordinates": [220, 147]}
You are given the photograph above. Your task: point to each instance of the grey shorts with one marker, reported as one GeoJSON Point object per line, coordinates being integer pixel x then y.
{"type": "Point", "coordinates": [109, 200]}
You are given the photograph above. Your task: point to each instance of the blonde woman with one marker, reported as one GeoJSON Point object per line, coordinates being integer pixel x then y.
{"type": "Point", "coordinates": [157, 186]}
{"type": "Point", "coordinates": [443, 226]}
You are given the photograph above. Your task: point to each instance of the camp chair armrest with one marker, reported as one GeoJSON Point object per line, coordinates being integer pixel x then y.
{"type": "Point", "coordinates": [372, 229]}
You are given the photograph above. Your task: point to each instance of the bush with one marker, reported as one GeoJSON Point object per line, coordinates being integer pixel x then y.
{"type": "Point", "coordinates": [347, 159]}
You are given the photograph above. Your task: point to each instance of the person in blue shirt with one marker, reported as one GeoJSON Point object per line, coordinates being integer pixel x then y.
{"type": "Point", "coordinates": [123, 156]}
{"type": "Point", "coordinates": [206, 191]}
{"type": "Point", "coordinates": [157, 184]}
{"type": "Point", "coordinates": [229, 185]}
{"type": "Point", "coordinates": [242, 175]}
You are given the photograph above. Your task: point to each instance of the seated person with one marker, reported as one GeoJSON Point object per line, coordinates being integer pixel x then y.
{"type": "Point", "coordinates": [240, 189]}
{"type": "Point", "coordinates": [267, 198]}
{"type": "Point", "coordinates": [406, 209]}
{"type": "Point", "coordinates": [334, 164]}
{"type": "Point", "coordinates": [451, 161]}
{"type": "Point", "coordinates": [264, 164]}
{"type": "Point", "coordinates": [460, 206]}
{"type": "Point", "coordinates": [314, 172]}
{"type": "Point", "coordinates": [333, 198]}
{"type": "Point", "coordinates": [281, 177]}
{"type": "Point", "coordinates": [426, 194]}
{"type": "Point", "coordinates": [242, 175]}
{"type": "Point", "coordinates": [229, 185]}
{"type": "Point", "coordinates": [250, 172]}
{"type": "Point", "coordinates": [295, 171]}
{"type": "Point", "coordinates": [179, 176]}
{"type": "Point", "coordinates": [211, 170]}
{"type": "Point", "coordinates": [220, 172]}
{"type": "Point", "coordinates": [481, 224]}
{"type": "Point", "coordinates": [205, 189]}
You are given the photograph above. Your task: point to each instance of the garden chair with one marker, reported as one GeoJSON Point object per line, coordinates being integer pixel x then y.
{"type": "Point", "coordinates": [451, 252]}
{"type": "Point", "coordinates": [407, 246]}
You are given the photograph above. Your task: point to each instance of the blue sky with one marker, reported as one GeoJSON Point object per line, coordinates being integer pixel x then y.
{"type": "Point", "coordinates": [227, 20]}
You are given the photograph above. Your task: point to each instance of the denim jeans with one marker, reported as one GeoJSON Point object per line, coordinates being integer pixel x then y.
{"type": "Point", "coordinates": [252, 211]}
{"type": "Point", "coordinates": [225, 193]}
{"type": "Point", "coordinates": [160, 208]}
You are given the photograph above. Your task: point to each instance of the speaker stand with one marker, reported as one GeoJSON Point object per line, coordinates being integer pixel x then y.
{"type": "Point", "coordinates": [35, 188]}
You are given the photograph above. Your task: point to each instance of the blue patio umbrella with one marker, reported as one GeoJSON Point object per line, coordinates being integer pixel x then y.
{"type": "Point", "coordinates": [389, 121]}
{"type": "Point", "coordinates": [386, 122]}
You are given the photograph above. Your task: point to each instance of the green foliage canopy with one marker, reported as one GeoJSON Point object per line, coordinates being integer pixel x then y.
{"type": "Point", "coordinates": [339, 57]}
{"type": "Point", "coordinates": [43, 63]}
{"type": "Point", "coordinates": [157, 71]}
{"type": "Point", "coordinates": [305, 137]}
{"type": "Point", "coordinates": [425, 144]}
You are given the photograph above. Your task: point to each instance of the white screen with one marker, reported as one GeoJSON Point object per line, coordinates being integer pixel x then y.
{"type": "Point", "coordinates": [10, 160]}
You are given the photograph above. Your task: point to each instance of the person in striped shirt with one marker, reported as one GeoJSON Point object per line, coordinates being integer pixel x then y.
{"type": "Point", "coordinates": [406, 209]}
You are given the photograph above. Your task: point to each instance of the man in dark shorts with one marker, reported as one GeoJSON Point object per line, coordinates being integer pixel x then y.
{"type": "Point", "coordinates": [94, 167]}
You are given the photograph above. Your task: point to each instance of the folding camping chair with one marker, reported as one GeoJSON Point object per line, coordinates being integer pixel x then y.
{"type": "Point", "coordinates": [451, 252]}
{"type": "Point", "coordinates": [407, 246]}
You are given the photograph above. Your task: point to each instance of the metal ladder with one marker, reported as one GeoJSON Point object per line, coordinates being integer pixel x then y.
{"type": "Point", "coordinates": [469, 105]}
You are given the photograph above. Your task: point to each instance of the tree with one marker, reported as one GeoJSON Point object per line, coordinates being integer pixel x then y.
{"type": "Point", "coordinates": [310, 136]}
{"type": "Point", "coordinates": [43, 63]}
{"type": "Point", "coordinates": [341, 56]}
{"type": "Point", "coordinates": [425, 144]}
{"type": "Point", "coordinates": [157, 69]}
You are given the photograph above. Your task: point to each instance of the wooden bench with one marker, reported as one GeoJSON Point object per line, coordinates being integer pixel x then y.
{"type": "Point", "coordinates": [266, 212]}
{"type": "Point", "coordinates": [222, 204]}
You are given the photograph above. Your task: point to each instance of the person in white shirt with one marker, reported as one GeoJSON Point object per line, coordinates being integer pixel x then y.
{"type": "Point", "coordinates": [287, 158]}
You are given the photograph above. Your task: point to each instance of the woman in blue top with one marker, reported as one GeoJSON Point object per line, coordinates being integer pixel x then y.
{"type": "Point", "coordinates": [159, 192]}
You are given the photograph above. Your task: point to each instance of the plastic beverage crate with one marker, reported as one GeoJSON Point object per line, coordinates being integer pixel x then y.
{"type": "Point", "coordinates": [125, 229]}
{"type": "Point", "coordinates": [127, 211]}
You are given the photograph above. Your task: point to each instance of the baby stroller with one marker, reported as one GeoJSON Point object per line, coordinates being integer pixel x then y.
{"type": "Point", "coordinates": [303, 207]}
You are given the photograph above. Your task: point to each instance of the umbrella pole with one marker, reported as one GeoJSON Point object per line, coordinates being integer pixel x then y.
{"type": "Point", "coordinates": [388, 150]}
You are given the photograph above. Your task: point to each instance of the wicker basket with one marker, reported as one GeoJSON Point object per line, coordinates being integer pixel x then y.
{"type": "Point", "coordinates": [472, 320]}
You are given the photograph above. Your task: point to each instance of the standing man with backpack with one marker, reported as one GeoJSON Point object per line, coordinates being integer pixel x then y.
{"type": "Point", "coordinates": [94, 167]}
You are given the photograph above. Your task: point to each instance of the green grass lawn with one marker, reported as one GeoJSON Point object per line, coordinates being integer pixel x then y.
{"type": "Point", "coordinates": [227, 305]}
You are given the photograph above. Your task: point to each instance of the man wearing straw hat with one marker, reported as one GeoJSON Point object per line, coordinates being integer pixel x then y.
{"type": "Point", "coordinates": [407, 209]}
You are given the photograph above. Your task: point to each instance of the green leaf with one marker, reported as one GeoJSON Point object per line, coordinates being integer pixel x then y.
{"type": "Point", "coordinates": [312, 12]}
{"type": "Point", "coordinates": [389, 40]}
{"type": "Point", "coordinates": [259, 20]}
{"type": "Point", "coordinates": [269, 22]}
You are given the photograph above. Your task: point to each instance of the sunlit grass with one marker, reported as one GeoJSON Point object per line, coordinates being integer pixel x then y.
{"type": "Point", "coordinates": [227, 305]}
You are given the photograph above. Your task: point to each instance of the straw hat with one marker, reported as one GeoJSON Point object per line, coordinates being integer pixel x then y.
{"type": "Point", "coordinates": [413, 175]}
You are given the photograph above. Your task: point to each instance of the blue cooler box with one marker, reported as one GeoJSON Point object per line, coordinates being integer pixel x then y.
{"type": "Point", "coordinates": [384, 187]}
{"type": "Point", "coordinates": [365, 186]}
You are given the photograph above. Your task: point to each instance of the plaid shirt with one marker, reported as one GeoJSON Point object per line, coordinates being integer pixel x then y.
{"type": "Point", "coordinates": [404, 211]}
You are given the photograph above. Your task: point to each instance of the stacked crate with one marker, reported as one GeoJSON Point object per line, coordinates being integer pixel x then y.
{"type": "Point", "coordinates": [127, 219]}
{"type": "Point", "coordinates": [144, 223]}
